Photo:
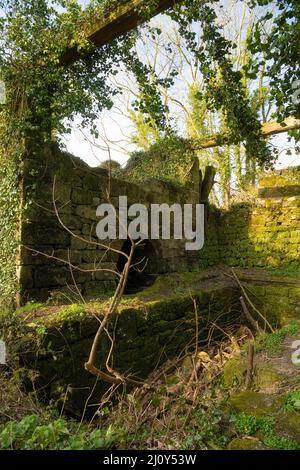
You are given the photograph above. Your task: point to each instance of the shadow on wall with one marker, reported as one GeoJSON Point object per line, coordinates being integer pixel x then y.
{"type": "Point", "coordinates": [144, 268]}
{"type": "Point", "coordinates": [54, 260]}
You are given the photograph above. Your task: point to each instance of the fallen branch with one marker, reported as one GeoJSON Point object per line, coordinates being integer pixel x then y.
{"type": "Point", "coordinates": [251, 303]}
{"type": "Point", "coordinates": [249, 317]}
{"type": "Point", "coordinates": [249, 375]}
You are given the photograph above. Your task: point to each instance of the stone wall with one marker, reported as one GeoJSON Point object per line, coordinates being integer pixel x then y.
{"type": "Point", "coordinates": [156, 325]}
{"type": "Point", "coordinates": [263, 234]}
{"type": "Point", "coordinates": [49, 249]}
{"type": "Point", "coordinates": [267, 233]}
{"type": "Point", "coordinates": [53, 342]}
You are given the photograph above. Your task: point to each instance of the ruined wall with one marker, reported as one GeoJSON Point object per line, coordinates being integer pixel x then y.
{"type": "Point", "coordinates": [265, 234]}
{"type": "Point", "coordinates": [78, 192]}
{"type": "Point", "coordinates": [147, 333]}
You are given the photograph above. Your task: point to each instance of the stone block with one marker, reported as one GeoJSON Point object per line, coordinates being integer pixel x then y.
{"type": "Point", "coordinates": [81, 196]}
{"type": "Point", "coordinates": [86, 212]}
{"type": "Point", "coordinates": [48, 276]}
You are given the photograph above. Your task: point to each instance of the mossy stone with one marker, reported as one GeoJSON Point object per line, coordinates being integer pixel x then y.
{"type": "Point", "coordinates": [254, 403]}
{"type": "Point", "coordinates": [244, 443]}
{"type": "Point", "coordinates": [234, 372]}
{"type": "Point", "coordinates": [288, 424]}
{"type": "Point", "coordinates": [266, 376]}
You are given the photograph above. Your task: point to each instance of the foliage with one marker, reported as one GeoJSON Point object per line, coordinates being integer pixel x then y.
{"type": "Point", "coordinates": [224, 86]}
{"type": "Point", "coordinates": [43, 96]}
{"type": "Point", "coordinates": [42, 93]}
{"type": "Point", "coordinates": [292, 400]}
{"type": "Point", "coordinates": [9, 213]}
{"type": "Point", "coordinates": [273, 342]}
{"type": "Point", "coordinates": [280, 53]}
{"type": "Point", "coordinates": [251, 425]}
{"type": "Point", "coordinates": [36, 433]}
{"type": "Point", "coordinates": [146, 132]}
{"type": "Point", "coordinates": [169, 159]}
{"type": "Point", "coordinates": [110, 165]}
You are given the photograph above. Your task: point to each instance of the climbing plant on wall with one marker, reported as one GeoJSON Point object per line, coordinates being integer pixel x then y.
{"type": "Point", "coordinates": [168, 159]}
{"type": "Point", "coordinates": [281, 53]}
{"type": "Point", "coordinates": [43, 96]}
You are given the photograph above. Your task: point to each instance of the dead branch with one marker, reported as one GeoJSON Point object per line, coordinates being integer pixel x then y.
{"type": "Point", "coordinates": [249, 375]}
{"type": "Point", "coordinates": [251, 303]}
{"type": "Point", "coordinates": [249, 317]}
{"type": "Point", "coordinates": [74, 267]}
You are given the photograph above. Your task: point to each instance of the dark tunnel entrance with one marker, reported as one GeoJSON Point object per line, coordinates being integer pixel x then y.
{"type": "Point", "coordinates": [144, 266]}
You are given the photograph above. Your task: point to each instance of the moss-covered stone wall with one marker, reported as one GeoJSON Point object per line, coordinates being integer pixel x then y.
{"type": "Point", "coordinates": [267, 233]}
{"type": "Point", "coordinates": [55, 258]}
{"type": "Point", "coordinates": [150, 328]}
{"type": "Point", "coordinates": [261, 234]}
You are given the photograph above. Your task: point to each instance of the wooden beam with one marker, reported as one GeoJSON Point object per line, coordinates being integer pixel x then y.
{"type": "Point", "coordinates": [117, 22]}
{"type": "Point", "coordinates": [267, 129]}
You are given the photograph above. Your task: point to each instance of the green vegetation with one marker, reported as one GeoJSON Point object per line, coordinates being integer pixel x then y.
{"type": "Point", "coordinates": [251, 425]}
{"type": "Point", "coordinates": [292, 400]}
{"type": "Point", "coordinates": [37, 433]}
{"type": "Point", "coordinates": [223, 416]}
{"type": "Point", "coordinates": [29, 307]}
{"type": "Point", "coordinates": [185, 336]}
{"type": "Point", "coordinates": [168, 159]}
{"type": "Point", "coordinates": [273, 342]}
{"type": "Point", "coordinates": [289, 271]}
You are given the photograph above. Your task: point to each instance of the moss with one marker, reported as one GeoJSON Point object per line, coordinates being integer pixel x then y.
{"type": "Point", "coordinates": [273, 342]}
{"type": "Point", "coordinates": [266, 376]}
{"type": "Point", "coordinates": [254, 403]}
{"type": "Point", "coordinates": [30, 307]}
{"type": "Point", "coordinates": [234, 372]}
{"type": "Point", "coordinates": [244, 443]}
{"type": "Point", "coordinates": [73, 312]}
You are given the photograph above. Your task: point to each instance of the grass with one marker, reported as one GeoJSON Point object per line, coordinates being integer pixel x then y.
{"type": "Point", "coordinates": [289, 271]}
{"type": "Point", "coordinates": [273, 342]}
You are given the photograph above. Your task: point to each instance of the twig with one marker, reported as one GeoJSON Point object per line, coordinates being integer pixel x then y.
{"type": "Point", "coordinates": [249, 375]}
{"type": "Point", "coordinates": [251, 303]}
{"type": "Point", "coordinates": [249, 316]}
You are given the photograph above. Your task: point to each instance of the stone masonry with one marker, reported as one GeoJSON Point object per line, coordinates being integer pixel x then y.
{"type": "Point", "coordinates": [78, 190]}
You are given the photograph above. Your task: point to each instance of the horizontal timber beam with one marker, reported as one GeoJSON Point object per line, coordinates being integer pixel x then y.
{"type": "Point", "coordinates": [117, 22]}
{"type": "Point", "coordinates": [267, 129]}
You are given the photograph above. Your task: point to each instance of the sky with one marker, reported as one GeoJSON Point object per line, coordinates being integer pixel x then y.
{"type": "Point", "coordinates": [116, 128]}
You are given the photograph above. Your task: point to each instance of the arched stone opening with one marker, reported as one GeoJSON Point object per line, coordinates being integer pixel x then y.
{"type": "Point", "coordinates": [144, 266]}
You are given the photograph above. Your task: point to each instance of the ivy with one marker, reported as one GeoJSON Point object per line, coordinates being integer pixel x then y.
{"type": "Point", "coordinates": [169, 160]}
{"type": "Point", "coordinates": [225, 90]}
{"type": "Point", "coordinates": [10, 172]}
{"type": "Point", "coordinates": [43, 97]}
{"type": "Point", "coordinates": [277, 49]}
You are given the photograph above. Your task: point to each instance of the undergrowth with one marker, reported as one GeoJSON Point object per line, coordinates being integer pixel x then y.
{"type": "Point", "coordinates": [273, 342]}
{"type": "Point", "coordinates": [183, 406]}
{"type": "Point", "coordinates": [36, 433]}
{"type": "Point", "coordinates": [250, 425]}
